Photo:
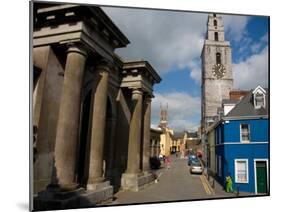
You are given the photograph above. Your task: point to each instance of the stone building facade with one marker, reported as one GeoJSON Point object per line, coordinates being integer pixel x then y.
{"type": "Point", "coordinates": [166, 141]}
{"type": "Point", "coordinates": [167, 135]}
{"type": "Point", "coordinates": [217, 79]}
{"type": "Point", "coordinates": [155, 134]}
{"type": "Point", "coordinates": [91, 109]}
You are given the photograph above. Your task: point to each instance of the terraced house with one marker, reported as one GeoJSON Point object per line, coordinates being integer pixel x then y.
{"type": "Point", "coordinates": [242, 142]}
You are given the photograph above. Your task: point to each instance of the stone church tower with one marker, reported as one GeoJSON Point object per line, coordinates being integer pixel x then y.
{"type": "Point", "coordinates": [217, 80]}
{"type": "Point", "coordinates": [163, 117]}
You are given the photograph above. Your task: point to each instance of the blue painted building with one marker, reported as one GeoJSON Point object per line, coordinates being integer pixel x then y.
{"type": "Point", "coordinates": [242, 143]}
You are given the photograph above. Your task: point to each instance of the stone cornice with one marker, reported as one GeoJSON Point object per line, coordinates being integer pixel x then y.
{"type": "Point", "coordinates": [143, 67]}
{"type": "Point", "coordinates": [55, 15]}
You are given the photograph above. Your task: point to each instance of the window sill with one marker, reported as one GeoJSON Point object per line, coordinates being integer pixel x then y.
{"type": "Point", "coordinates": [242, 182]}
{"type": "Point", "coordinates": [245, 142]}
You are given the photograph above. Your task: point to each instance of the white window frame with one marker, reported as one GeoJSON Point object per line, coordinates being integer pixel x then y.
{"type": "Point", "coordinates": [255, 102]}
{"type": "Point", "coordinates": [247, 170]}
{"type": "Point", "coordinates": [241, 140]}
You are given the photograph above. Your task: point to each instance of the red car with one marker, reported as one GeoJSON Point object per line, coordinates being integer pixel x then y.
{"type": "Point", "coordinates": [199, 154]}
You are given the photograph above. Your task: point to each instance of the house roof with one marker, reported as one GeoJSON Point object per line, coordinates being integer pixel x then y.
{"type": "Point", "coordinates": [229, 101]}
{"type": "Point", "coordinates": [245, 107]}
{"type": "Point", "coordinates": [178, 135]}
{"type": "Point", "coordinates": [192, 135]}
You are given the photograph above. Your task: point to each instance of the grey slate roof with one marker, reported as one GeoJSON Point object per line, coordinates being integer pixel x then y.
{"type": "Point", "coordinates": [192, 135]}
{"type": "Point", "coordinates": [245, 107]}
{"type": "Point", "coordinates": [178, 135]}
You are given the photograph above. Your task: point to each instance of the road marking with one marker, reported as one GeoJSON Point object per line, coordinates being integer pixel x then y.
{"type": "Point", "coordinates": [205, 185]}
{"type": "Point", "coordinates": [208, 185]}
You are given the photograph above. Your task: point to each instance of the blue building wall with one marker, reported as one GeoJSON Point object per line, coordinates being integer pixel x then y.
{"type": "Point", "coordinates": [258, 130]}
{"type": "Point", "coordinates": [250, 151]}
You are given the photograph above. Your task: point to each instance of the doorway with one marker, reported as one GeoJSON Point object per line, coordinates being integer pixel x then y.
{"type": "Point", "coordinates": [261, 177]}
{"type": "Point", "coordinates": [109, 142]}
{"type": "Point", "coordinates": [82, 154]}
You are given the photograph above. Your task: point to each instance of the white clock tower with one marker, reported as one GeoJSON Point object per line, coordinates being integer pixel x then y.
{"type": "Point", "coordinates": [217, 79]}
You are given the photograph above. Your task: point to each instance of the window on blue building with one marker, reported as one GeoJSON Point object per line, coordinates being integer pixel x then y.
{"type": "Point", "coordinates": [244, 132]}
{"type": "Point", "coordinates": [218, 165]}
{"type": "Point", "coordinates": [218, 136]}
{"type": "Point", "coordinates": [241, 170]}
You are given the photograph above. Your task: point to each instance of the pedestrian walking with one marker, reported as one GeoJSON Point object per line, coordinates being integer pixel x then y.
{"type": "Point", "coordinates": [168, 162]}
{"type": "Point", "coordinates": [229, 184]}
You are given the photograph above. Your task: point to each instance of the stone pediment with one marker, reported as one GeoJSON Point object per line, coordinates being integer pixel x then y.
{"type": "Point", "coordinates": [61, 24]}
{"type": "Point", "coordinates": [139, 74]}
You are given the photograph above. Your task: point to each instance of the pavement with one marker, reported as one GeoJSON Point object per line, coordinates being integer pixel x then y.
{"type": "Point", "coordinates": [174, 184]}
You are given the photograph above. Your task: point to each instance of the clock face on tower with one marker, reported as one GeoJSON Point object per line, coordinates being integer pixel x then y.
{"type": "Point", "coordinates": [218, 70]}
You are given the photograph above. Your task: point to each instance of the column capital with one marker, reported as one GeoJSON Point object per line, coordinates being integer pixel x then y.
{"type": "Point", "coordinates": [78, 48]}
{"type": "Point", "coordinates": [148, 98]}
{"type": "Point", "coordinates": [104, 65]}
{"type": "Point", "coordinates": [137, 91]}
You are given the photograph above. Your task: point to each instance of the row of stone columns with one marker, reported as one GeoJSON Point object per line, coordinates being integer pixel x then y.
{"type": "Point", "coordinates": [134, 147]}
{"type": "Point", "coordinates": [68, 125]}
{"type": "Point", "coordinates": [68, 121]}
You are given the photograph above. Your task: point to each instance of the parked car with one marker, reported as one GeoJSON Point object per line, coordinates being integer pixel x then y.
{"type": "Point", "coordinates": [196, 167]}
{"type": "Point", "coordinates": [192, 157]}
{"type": "Point", "coordinates": [155, 163]}
{"type": "Point", "coordinates": [199, 154]}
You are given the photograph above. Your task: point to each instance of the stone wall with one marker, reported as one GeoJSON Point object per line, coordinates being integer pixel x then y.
{"type": "Point", "coordinates": [46, 107]}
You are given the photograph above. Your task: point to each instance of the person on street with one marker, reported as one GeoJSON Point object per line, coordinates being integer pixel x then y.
{"type": "Point", "coordinates": [168, 162]}
{"type": "Point", "coordinates": [229, 183]}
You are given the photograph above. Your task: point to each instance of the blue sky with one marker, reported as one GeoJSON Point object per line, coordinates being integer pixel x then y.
{"type": "Point", "coordinates": [172, 43]}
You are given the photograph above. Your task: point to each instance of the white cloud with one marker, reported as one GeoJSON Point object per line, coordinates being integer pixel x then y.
{"type": "Point", "coordinates": [235, 26]}
{"type": "Point", "coordinates": [169, 39]}
{"type": "Point", "coordinates": [165, 39]}
{"type": "Point", "coordinates": [183, 110]}
{"type": "Point", "coordinates": [174, 40]}
{"type": "Point", "coordinates": [264, 38]}
{"type": "Point", "coordinates": [252, 72]}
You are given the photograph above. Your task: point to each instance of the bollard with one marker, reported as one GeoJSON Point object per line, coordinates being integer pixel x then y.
{"type": "Point", "coordinates": [237, 194]}
{"type": "Point", "coordinates": [213, 183]}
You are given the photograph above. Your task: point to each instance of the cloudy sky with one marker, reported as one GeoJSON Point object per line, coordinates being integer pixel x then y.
{"type": "Point", "coordinates": [172, 42]}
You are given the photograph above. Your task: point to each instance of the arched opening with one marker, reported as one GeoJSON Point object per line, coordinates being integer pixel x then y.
{"type": "Point", "coordinates": [215, 15]}
{"type": "Point", "coordinates": [109, 145]}
{"type": "Point", "coordinates": [84, 135]}
{"type": "Point", "coordinates": [218, 58]}
{"type": "Point", "coordinates": [215, 23]}
{"type": "Point", "coordinates": [216, 36]}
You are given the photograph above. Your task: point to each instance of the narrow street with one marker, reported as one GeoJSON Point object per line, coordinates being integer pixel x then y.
{"type": "Point", "coordinates": [174, 184]}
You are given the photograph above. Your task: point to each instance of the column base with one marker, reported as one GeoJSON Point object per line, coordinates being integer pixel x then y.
{"type": "Point", "coordinates": [79, 198]}
{"type": "Point", "coordinates": [135, 182]}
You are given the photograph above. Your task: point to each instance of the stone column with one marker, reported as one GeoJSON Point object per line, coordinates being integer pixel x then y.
{"type": "Point", "coordinates": [146, 134]}
{"type": "Point", "coordinates": [111, 152]}
{"type": "Point", "coordinates": [68, 120]}
{"type": "Point", "coordinates": [152, 148]}
{"type": "Point", "coordinates": [158, 148]}
{"type": "Point", "coordinates": [98, 128]}
{"type": "Point", "coordinates": [155, 148]}
{"type": "Point", "coordinates": [135, 134]}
